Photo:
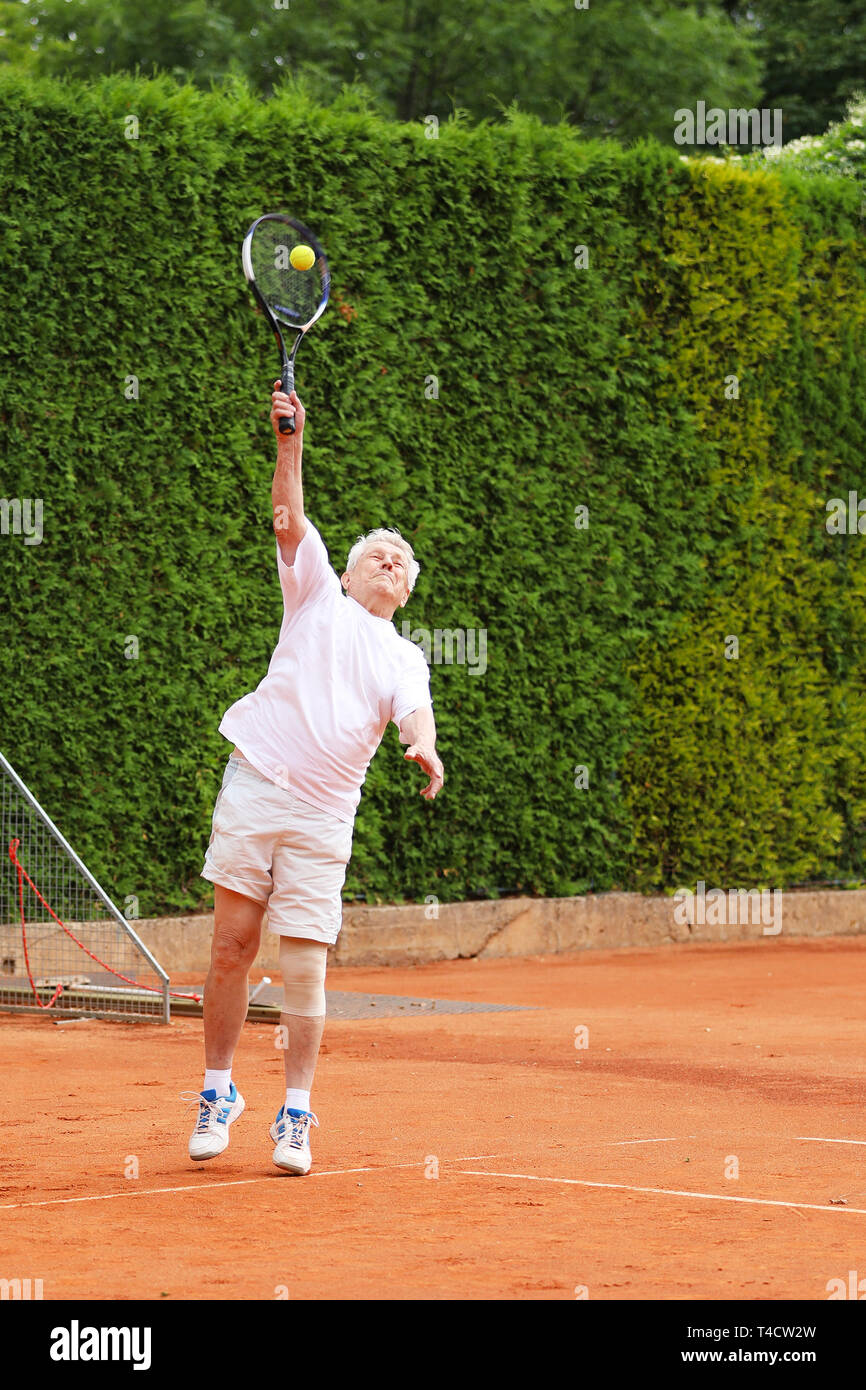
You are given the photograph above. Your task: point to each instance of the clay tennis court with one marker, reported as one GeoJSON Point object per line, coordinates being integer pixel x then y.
{"type": "Point", "coordinates": [560, 1169]}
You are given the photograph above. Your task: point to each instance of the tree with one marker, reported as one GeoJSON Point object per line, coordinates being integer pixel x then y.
{"type": "Point", "coordinates": [617, 68]}
{"type": "Point", "coordinates": [813, 54]}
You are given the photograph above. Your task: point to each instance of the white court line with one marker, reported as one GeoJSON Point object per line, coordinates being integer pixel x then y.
{"type": "Point", "coordinates": [666, 1192]}
{"type": "Point", "coordinates": [232, 1182]}
{"type": "Point", "coordinates": [810, 1139]}
{"type": "Point", "coordinates": [619, 1143]}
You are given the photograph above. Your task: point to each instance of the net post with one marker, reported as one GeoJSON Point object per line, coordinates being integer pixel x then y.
{"type": "Point", "coordinates": [37, 824]}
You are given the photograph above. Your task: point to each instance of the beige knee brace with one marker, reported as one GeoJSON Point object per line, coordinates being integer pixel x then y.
{"type": "Point", "coordinates": [303, 964]}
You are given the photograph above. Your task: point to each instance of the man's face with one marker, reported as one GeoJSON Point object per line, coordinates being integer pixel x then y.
{"type": "Point", "coordinates": [380, 579]}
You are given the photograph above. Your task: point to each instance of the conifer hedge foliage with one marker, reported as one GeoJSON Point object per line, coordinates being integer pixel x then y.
{"type": "Point", "coordinates": [607, 394]}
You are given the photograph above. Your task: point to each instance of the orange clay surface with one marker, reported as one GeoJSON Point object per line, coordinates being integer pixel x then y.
{"type": "Point", "coordinates": [559, 1168]}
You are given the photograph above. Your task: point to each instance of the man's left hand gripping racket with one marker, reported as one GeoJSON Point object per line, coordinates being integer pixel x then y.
{"type": "Point", "coordinates": [287, 269]}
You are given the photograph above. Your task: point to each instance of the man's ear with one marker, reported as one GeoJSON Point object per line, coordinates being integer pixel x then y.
{"type": "Point", "coordinates": [344, 580]}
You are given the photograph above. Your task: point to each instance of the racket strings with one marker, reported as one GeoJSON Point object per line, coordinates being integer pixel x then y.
{"type": "Point", "coordinates": [291, 295]}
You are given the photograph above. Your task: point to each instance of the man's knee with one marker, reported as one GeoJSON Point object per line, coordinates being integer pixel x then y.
{"type": "Point", "coordinates": [237, 930]}
{"type": "Point", "coordinates": [303, 965]}
{"type": "Point", "coordinates": [234, 949]}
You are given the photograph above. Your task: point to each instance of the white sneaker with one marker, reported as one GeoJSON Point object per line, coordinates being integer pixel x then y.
{"type": "Point", "coordinates": [215, 1113]}
{"type": "Point", "coordinates": [291, 1134]}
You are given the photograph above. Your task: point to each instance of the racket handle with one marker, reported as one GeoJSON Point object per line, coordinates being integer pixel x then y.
{"type": "Point", "coordinates": [287, 423]}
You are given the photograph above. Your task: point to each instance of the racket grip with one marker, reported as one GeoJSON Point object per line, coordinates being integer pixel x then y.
{"type": "Point", "coordinates": [287, 423]}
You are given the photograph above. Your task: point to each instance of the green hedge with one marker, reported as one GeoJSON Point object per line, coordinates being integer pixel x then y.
{"type": "Point", "coordinates": [559, 387]}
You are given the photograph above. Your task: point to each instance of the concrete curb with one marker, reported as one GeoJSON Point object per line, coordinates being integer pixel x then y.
{"type": "Point", "coordinates": [412, 935]}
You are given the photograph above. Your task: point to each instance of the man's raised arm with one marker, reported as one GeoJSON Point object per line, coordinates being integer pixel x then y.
{"type": "Point", "coordinates": [287, 493]}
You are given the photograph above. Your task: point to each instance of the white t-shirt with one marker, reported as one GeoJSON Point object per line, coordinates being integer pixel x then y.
{"type": "Point", "coordinates": [337, 676]}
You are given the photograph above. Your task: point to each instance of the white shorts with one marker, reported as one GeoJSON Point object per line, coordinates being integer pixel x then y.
{"type": "Point", "coordinates": [291, 857]}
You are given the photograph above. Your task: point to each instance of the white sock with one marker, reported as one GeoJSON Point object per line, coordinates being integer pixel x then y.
{"type": "Point", "coordinates": [219, 1081]}
{"type": "Point", "coordinates": [297, 1100]}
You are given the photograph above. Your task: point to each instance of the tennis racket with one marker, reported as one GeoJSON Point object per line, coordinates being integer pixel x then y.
{"type": "Point", "coordinates": [286, 267]}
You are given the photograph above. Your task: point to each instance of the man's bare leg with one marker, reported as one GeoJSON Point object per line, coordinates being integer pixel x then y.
{"type": "Point", "coordinates": [236, 938]}
{"type": "Point", "coordinates": [301, 1038]}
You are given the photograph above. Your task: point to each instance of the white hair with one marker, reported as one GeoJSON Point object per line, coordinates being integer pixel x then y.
{"type": "Point", "coordinates": [392, 535]}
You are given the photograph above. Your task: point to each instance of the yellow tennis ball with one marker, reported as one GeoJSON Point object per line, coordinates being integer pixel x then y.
{"type": "Point", "coordinates": [302, 257]}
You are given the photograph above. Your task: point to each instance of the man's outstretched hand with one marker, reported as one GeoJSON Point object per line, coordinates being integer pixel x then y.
{"type": "Point", "coordinates": [428, 759]}
{"type": "Point", "coordinates": [282, 405]}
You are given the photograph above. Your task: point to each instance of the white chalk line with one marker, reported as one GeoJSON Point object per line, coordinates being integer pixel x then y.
{"type": "Point", "coordinates": [811, 1139]}
{"type": "Point", "coordinates": [231, 1182]}
{"type": "Point", "coordinates": [620, 1143]}
{"type": "Point", "coordinates": [468, 1158]}
{"type": "Point", "coordinates": [666, 1192]}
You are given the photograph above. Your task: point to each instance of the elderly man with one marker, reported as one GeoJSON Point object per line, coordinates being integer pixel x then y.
{"type": "Point", "coordinates": [282, 823]}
